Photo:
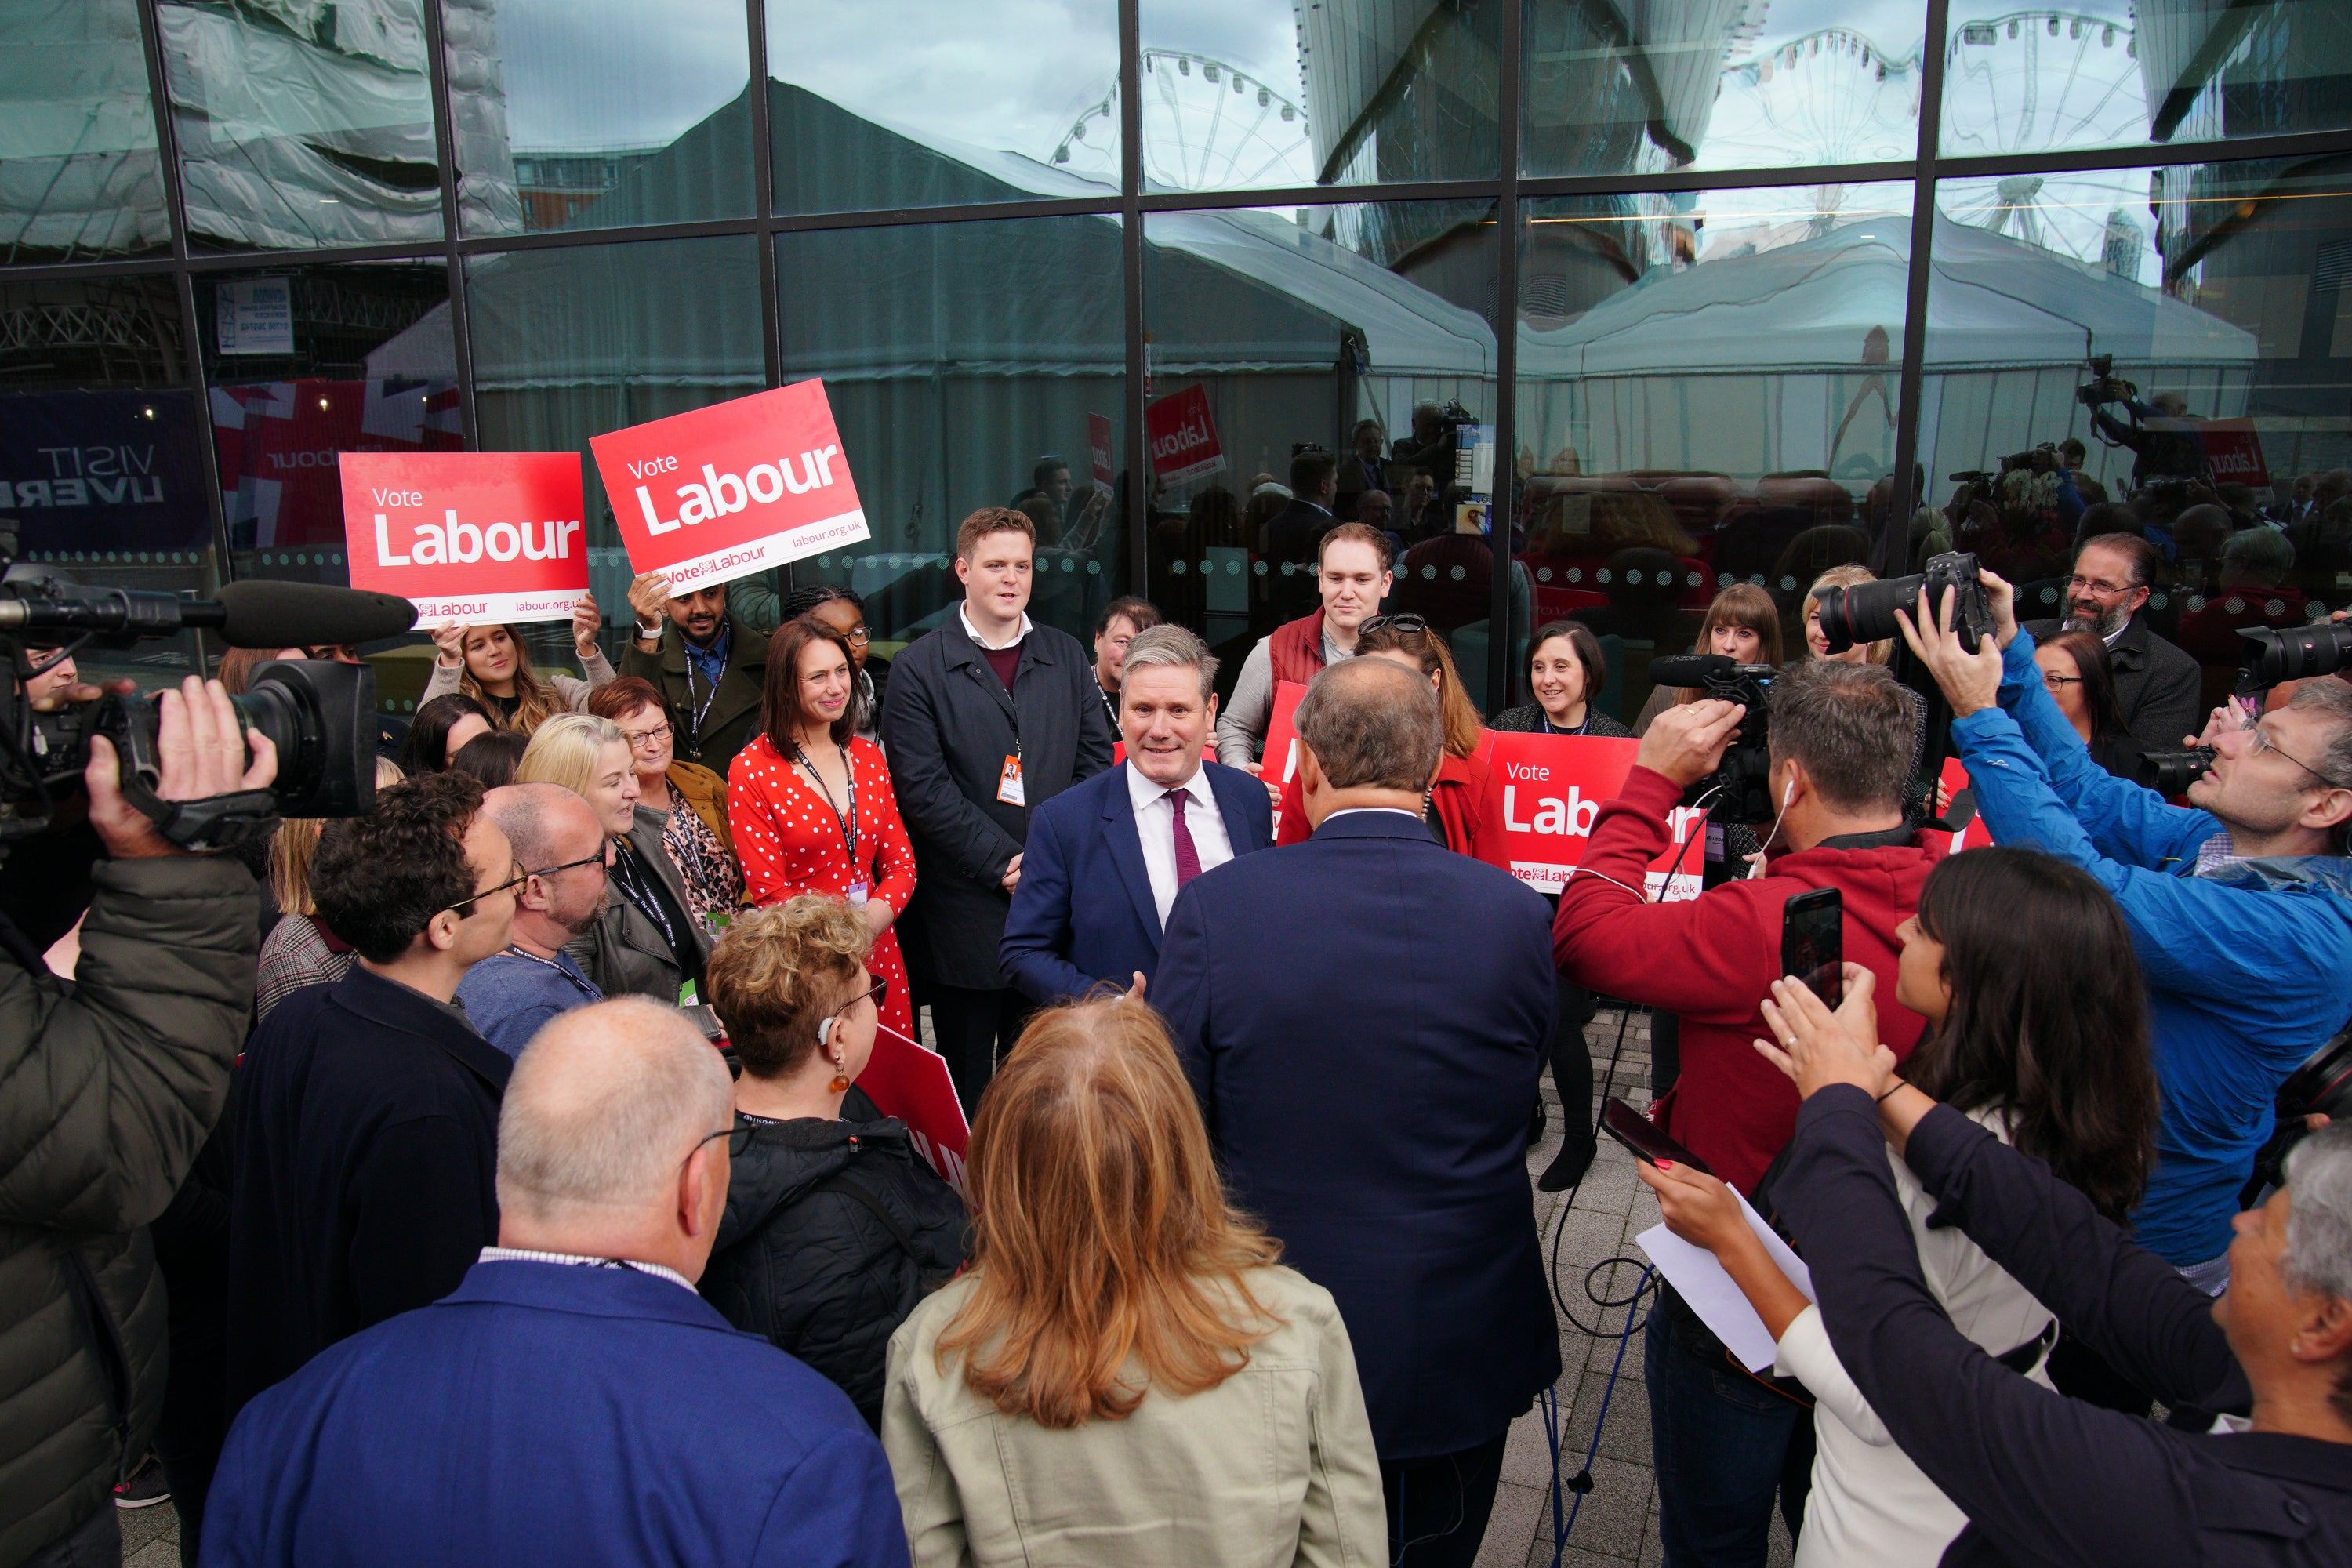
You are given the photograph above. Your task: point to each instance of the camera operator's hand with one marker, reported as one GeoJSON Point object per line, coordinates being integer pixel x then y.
{"type": "Point", "coordinates": [199, 753]}
{"type": "Point", "coordinates": [1818, 1047]}
{"type": "Point", "coordinates": [586, 622]}
{"type": "Point", "coordinates": [1971, 680]}
{"type": "Point", "coordinates": [1686, 742]}
{"type": "Point", "coordinates": [2002, 595]}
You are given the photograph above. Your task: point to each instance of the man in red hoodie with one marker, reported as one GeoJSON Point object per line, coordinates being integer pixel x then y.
{"type": "Point", "coordinates": [1841, 736]}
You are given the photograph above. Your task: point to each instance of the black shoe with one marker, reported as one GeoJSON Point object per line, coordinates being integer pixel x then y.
{"type": "Point", "coordinates": [1567, 1169]}
{"type": "Point", "coordinates": [143, 1487]}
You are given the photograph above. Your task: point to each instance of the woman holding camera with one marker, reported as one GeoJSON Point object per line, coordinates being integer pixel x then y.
{"type": "Point", "coordinates": [2037, 1029]}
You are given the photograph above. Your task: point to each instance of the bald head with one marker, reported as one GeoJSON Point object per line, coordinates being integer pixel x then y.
{"type": "Point", "coordinates": [605, 1105]}
{"type": "Point", "coordinates": [1372, 724]}
{"type": "Point", "coordinates": [547, 824]}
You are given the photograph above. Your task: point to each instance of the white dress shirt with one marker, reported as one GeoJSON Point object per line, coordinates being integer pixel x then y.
{"type": "Point", "coordinates": [963, 614]}
{"type": "Point", "coordinates": [1155, 824]}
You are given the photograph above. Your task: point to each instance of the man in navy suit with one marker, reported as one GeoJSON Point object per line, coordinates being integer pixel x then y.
{"type": "Point", "coordinates": [1106, 858]}
{"type": "Point", "coordinates": [574, 1401]}
{"type": "Point", "coordinates": [1364, 1016]}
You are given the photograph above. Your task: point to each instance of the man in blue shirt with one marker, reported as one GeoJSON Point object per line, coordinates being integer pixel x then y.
{"type": "Point", "coordinates": [558, 840]}
{"type": "Point", "coordinates": [2239, 904]}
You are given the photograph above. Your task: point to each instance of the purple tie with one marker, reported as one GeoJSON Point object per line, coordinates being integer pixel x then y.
{"type": "Point", "coordinates": [1187, 859]}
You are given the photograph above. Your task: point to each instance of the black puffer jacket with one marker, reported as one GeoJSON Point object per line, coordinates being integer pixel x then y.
{"type": "Point", "coordinates": [805, 1258]}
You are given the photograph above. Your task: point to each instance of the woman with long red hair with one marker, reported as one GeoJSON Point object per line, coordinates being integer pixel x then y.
{"type": "Point", "coordinates": [1123, 1374]}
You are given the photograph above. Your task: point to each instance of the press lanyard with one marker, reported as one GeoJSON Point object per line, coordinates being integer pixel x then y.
{"type": "Point", "coordinates": [569, 977]}
{"type": "Point", "coordinates": [1551, 729]}
{"type": "Point", "coordinates": [847, 824]}
{"type": "Point", "coordinates": [694, 735]}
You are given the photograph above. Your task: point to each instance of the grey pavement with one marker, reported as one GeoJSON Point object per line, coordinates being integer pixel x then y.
{"type": "Point", "coordinates": [1618, 1524]}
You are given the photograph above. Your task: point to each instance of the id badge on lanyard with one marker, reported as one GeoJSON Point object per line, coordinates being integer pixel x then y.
{"type": "Point", "coordinates": [1008, 782]}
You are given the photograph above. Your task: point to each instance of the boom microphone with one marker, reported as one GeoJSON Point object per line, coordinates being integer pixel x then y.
{"type": "Point", "coordinates": [264, 613]}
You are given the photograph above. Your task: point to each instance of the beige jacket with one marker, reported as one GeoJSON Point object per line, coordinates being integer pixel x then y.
{"type": "Point", "coordinates": [1273, 1466]}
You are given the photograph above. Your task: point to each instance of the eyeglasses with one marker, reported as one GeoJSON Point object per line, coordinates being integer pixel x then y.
{"type": "Point", "coordinates": [603, 856]}
{"type": "Point", "coordinates": [643, 739]}
{"type": "Point", "coordinates": [1409, 623]}
{"type": "Point", "coordinates": [858, 637]}
{"type": "Point", "coordinates": [2060, 682]}
{"type": "Point", "coordinates": [2104, 590]}
{"type": "Point", "coordinates": [2258, 740]}
{"type": "Point", "coordinates": [878, 993]}
{"type": "Point", "coordinates": [738, 1139]}
{"type": "Point", "coordinates": [519, 877]}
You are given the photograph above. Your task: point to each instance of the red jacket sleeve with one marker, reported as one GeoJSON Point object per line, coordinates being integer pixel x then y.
{"type": "Point", "coordinates": [1699, 957]}
{"type": "Point", "coordinates": [894, 855]}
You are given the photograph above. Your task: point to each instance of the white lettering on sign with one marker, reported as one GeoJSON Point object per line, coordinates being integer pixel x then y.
{"type": "Point", "coordinates": [720, 495]}
{"type": "Point", "coordinates": [1570, 818]}
{"type": "Point", "coordinates": [434, 543]}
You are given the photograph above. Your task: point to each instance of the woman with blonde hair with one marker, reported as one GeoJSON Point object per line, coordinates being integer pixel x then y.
{"type": "Point", "coordinates": [1452, 806]}
{"type": "Point", "coordinates": [648, 942]}
{"type": "Point", "coordinates": [489, 664]}
{"type": "Point", "coordinates": [1124, 1374]}
{"type": "Point", "coordinates": [1809, 617]}
{"type": "Point", "coordinates": [298, 951]}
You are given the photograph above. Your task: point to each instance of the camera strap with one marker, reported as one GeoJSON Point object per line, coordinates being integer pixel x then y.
{"type": "Point", "coordinates": [216, 821]}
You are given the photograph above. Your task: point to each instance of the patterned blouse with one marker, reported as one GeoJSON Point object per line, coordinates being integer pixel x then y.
{"type": "Point", "coordinates": [714, 882]}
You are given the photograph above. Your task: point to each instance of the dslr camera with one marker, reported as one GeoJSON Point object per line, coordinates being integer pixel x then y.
{"type": "Point", "coordinates": [1864, 612]}
{"type": "Point", "coordinates": [1737, 790]}
{"type": "Point", "coordinates": [2105, 385]}
{"type": "Point", "coordinates": [318, 714]}
{"type": "Point", "coordinates": [2272, 658]}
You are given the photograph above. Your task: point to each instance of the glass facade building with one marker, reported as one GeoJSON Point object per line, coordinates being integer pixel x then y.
{"type": "Point", "coordinates": [1753, 286]}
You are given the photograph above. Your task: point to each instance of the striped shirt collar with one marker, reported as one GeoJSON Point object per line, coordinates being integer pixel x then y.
{"type": "Point", "coordinates": [523, 1255]}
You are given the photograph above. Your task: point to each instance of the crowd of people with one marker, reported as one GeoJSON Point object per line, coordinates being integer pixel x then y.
{"type": "Point", "coordinates": [543, 1216]}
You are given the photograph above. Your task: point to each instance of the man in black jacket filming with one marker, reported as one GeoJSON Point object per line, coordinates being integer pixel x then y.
{"type": "Point", "coordinates": [2042, 1478]}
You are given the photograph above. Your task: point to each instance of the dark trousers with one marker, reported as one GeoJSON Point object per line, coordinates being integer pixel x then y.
{"type": "Point", "coordinates": [1438, 1507]}
{"type": "Point", "coordinates": [973, 1028]}
{"type": "Point", "coordinates": [96, 1542]}
{"type": "Point", "coordinates": [1571, 1075]}
{"type": "Point", "coordinates": [195, 1425]}
{"type": "Point", "coordinates": [1725, 1447]}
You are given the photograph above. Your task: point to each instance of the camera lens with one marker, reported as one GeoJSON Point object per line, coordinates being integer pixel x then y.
{"type": "Point", "coordinates": [2297, 655]}
{"type": "Point", "coordinates": [2171, 772]}
{"type": "Point", "coordinates": [1864, 612]}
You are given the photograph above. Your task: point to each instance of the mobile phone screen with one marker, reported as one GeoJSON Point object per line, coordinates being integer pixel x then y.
{"type": "Point", "coordinates": [1812, 943]}
{"type": "Point", "coordinates": [1642, 1139]}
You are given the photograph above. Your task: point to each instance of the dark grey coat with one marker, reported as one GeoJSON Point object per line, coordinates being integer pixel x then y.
{"type": "Point", "coordinates": [622, 954]}
{"type": "Point", "coordinates": [948, 724]}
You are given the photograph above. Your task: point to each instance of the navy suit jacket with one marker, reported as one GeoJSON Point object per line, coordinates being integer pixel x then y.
{"type": "Point", "coordinates": [1084, 911]}
{"type": "Point", "coordinates": [1364, 1016]}
{"type": "Point", "coordinates": [558, 1413]}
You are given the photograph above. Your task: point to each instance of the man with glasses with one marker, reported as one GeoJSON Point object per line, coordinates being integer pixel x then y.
{"type": "Point", "coordinates": [569, 1398]}
{"type": "Point", "coordinates": [365, 1114]}
{"type": "Point", "coordinates": [2240, 903]}
{"type": "Point", "coordinates": [2157, 686]}
{"type": "Point", "coordinates": [710, 666]}
{"type": "Point", "coordinates": [555, 834]}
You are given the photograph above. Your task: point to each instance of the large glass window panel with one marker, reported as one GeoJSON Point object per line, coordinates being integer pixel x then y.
{"type": "Point", "coordinates": [572, 343]}
{"type": "Point", "coordinates": [969, 365]}
{"type": "Point", "coordinates": [80, 177]}
{"type": "Point", "coordinates": [597, 113]}
{"type": "Point", "coordinates": [1708, 391]}
{"type": "Point", "coordinates": [302, 124]}
{"type": "Point", "coordinates": [900, 103]}
{"type": "Point", "coordinates": [1251, 93]}
{"type": "Point", "coordinates": [2116, 73]}
{"type": "Point", "coordinates": [2219, 297]}
{"type": "Point", "coordinates": [102, 448]}
{"type": "Point", "coordinates": [1271, 332]}
{"type": "Point", "coordinates": [1719, 84]}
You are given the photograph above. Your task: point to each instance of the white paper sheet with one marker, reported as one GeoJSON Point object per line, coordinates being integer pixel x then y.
{"type": "Point", "coordinates": [1700, 1280]}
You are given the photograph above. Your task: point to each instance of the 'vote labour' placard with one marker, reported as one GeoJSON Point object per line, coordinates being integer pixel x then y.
{"type": "Point", "coordinates": [720, 493]}
{"type": "Point", "coordinates": [1543, 794]}
{"type": "Point", "coordinates": [467, 536]}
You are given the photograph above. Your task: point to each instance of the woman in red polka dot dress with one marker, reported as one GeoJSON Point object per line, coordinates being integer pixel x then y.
{"type": "Point", "coordinates": [811, 806]}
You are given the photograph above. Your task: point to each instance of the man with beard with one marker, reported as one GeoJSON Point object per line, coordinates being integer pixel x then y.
{"type": "Point", "coordinates": [709, 663]}
{"type": "Point", "coordinates": [563, 850]}
{"type": "Point", "coordinates": [2158, 685]}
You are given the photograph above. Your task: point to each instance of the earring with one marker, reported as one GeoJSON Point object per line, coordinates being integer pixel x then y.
{"type": "Point", "coordinates": [840, 1077]}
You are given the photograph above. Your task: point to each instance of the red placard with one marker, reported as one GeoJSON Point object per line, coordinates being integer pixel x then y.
{"type": "Point", "coordinates": [911, 1083]}
{"type": "Point", "coordinates": [1543, 794]}
{"type": "Point", "coordinates": [467, 536]}
{"type": "Point", "coordinates": [2234, 447]}
{"type": "Point", "coordinates": [1976, 835]}
{"type": "Point", "coordinates": [1099, 441]}
{"type": "Point", "coordinates": [1280, 758]}
{"type": "Point", "coordinates": [724, 491]}
{"type": "Point", "coordinates": [1183, 435]}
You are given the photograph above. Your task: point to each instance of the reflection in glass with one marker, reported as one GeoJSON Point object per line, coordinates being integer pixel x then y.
{"type": "Point", "coordinates": [79, 173]}
{"type": "Point", "coordinates": [1276, 333]}
{"type": "Point", "coordinates": [302, 126]}
{"type": "Point", "coordinates": [897, 103]}
{"type": "Point", "coordinates": [968, 365]}
{"type": "Point", "coordinates": [2221, 293]}
{"type": "Point", "coordinates": [1346, 92]}
{"type": "Point", "coordinates": [594, 113]}
{"type": "Point", "coordinates": [1719, 84]}
{"type": "Point", "coordinates": [1709, 389]}
{"type": "Point", "coordinates": [2114, 73]}
{"type": "Point", "coordinates": [572, 343]}
{"type": "Point", "coordinates": [102, 454]}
